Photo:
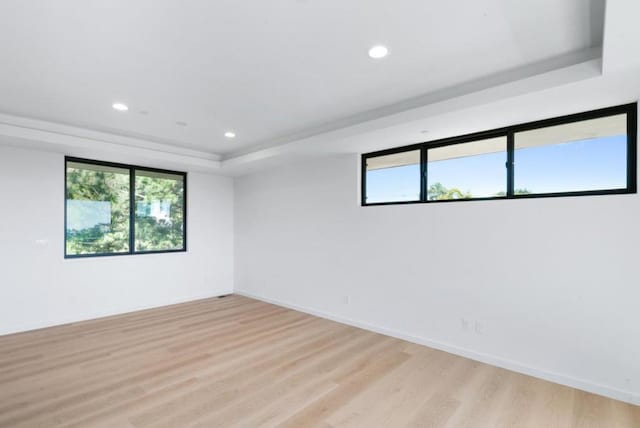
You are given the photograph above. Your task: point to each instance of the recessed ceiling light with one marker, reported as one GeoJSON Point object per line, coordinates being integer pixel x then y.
{"type": "Point", "coordinates": [230, 134]}
{"type": "Point", "coordinates": [120, 106]}
{"type": "Point", "coordinates": [181, 123]}
{"type": "Point", "coordinates": [378, 52]}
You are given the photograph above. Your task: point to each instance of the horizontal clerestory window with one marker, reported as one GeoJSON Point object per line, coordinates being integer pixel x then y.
{"type": "Point", "coordinates": [590, 153]}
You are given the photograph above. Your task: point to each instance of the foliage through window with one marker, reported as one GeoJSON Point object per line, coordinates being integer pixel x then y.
{"type": "Point", "coordinates": [468, 170]}
{"type": "Point", "coordinates": [118, 209]}
{"type": "Point", "coordinates": [159, 221]}
{"type": "Point", "coordinates": [588, 153]}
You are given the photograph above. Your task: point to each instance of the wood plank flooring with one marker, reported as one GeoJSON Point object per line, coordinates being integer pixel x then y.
{"type": "Point", "coordinates": [237, 362]}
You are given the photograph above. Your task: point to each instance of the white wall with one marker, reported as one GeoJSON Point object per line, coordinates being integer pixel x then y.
{"type": "Point", "coordinates": [554, 282]}
{"type": "Point", "coordinates": [39, 288]}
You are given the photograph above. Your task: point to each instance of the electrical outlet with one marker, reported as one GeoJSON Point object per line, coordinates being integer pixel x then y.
{"type": "Point", "coordinates": [346, 299]}
{"type": "Point", "coordinates": [479, 327]}
{"type": "Point", "coordinates": [464, 324]}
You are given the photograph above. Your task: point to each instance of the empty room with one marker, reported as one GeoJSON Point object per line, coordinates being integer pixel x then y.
{"type": "Point", "coordinates": [319, 213]}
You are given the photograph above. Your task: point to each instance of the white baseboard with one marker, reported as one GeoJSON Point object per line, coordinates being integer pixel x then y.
{"type": "Point", "coordinates": [595, 388]}
{"type": "Point", "coordinates": [6, 330]}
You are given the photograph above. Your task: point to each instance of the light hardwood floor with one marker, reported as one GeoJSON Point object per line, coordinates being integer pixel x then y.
{"type": "Point", "coordinates": [237, 362]}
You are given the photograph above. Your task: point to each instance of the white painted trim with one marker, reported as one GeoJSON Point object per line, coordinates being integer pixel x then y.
{"type": "Point", "coordinates": [84, 142]}
{"type": "Point", "coordinates": [27, 124]}
{"type": "Point", "coordinates": [583, 65]}
{"type": "Point", "coordinates": [585, 385]}
{"type": "Point", "coordinates": [31, 133]}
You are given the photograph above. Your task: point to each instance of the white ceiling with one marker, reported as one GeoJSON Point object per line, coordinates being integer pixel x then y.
{"type": "Point", "coordinates": [273, 71]}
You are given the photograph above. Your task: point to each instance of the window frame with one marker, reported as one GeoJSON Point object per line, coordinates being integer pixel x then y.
{"type": "Point", "coordinates": [132, 212]}
{"type": "Point", "coordinates": [631, 110]}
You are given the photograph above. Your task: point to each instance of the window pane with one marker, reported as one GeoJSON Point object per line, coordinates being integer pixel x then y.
{"type": "Point", "coordinates": [579, 156]}
{"type": "Point", "coordinates": [468, 170]}
{"type": "Point", "coordinates": [159, 211]}
{"type": "Point", "coordinates": [97, 199]}
{"type": "Point", "coordinates": [393, 178]}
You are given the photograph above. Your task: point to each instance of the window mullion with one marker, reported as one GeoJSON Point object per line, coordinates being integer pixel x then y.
{"type": "Point", "coordinates": [132, 210]}
{"type": "Point", "coordinates": [510, 165]}
{"type": "Point", "coordinates": [424, 158]}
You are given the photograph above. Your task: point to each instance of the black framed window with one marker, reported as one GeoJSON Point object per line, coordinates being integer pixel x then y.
{"type": "Point", "coordinates": [589, 153]}
{"type": "Point", "coordinates": [115, 209]}
{"type": "Point", "coordinates": [579, 156]}
{"type": "Point", "coordinates": [474, 169]}
{"type": "Point", "coordinates": [394, 177]}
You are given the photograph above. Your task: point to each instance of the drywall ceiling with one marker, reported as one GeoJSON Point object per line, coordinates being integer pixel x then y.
{"type": "Point", "coordinates": [273, 72]}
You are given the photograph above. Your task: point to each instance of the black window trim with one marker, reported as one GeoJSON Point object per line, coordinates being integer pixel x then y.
{"type": "Point", "coordinates": [132, 177]}
{"type": "Point", "coordinates": [631, 110]}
